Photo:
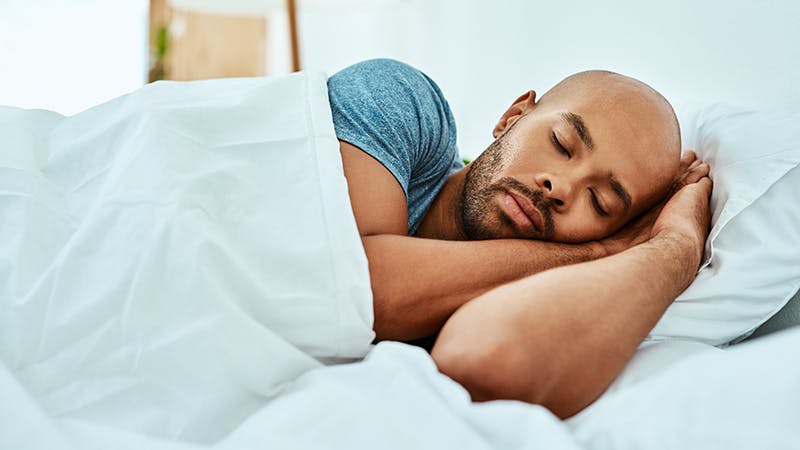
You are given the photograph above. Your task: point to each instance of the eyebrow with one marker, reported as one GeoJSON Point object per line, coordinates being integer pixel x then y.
{"type": "Point", "coordinates": [621, 193]}
{"type": "Point", "coordinates": [580, 127]}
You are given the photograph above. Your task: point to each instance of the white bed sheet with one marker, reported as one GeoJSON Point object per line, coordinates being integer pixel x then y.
{"type": "Point", "coordinates": [171, 258]}
{"type": "Point", "coordinates": [742, 398]}
{"type": "Point", "coordinates": [687, 395]}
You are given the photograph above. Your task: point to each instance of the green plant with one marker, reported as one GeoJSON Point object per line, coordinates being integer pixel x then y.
{"type": "Point", "coordinates": [158, 53]}
{"type": "Point", "coordinates": [161, 42]}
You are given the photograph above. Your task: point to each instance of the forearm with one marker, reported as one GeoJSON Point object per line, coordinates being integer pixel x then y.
{"type": "Point", "coordinates": [560, 337]}
{"type": "Point", "coordinates": [418, 283]}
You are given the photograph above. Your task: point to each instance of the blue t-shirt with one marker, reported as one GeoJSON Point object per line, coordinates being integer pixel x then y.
{"type": "Point", "coordinates": [399, 116]}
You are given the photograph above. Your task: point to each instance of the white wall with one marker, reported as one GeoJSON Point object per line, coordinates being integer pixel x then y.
{"type": "Point", "coordinates": [484, 54]}
{"type": "Point", "coordinates": [68, 55]}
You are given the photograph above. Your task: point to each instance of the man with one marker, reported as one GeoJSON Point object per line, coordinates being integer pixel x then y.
{"type": "Point", "coordinates": [546, 261]}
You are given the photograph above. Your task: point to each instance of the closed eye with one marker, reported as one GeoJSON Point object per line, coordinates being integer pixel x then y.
{"type": "Point", "coordinates": [596, 204]}
{"type": "Point", "coordinates": [561, 149]}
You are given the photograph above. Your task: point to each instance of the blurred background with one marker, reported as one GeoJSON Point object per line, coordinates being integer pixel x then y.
{"type": "Point", "coordinates": [68, 55]}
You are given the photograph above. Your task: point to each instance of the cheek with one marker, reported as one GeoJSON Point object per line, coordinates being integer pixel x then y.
{"type": "Point", "coordinates": [580, 227]}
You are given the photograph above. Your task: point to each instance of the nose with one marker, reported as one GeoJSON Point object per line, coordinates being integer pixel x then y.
{"type": "Point", "coordinates": [558, 190]}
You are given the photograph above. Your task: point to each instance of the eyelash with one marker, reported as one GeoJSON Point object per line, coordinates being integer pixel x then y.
{"type": "Point", "coordinates": [596, 204]}
{"type": "Point", "coordinates": [560, 147]}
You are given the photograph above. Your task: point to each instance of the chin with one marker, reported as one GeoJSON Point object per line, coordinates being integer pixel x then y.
{"type": "Point", "coordinates": [489, 229]}
{"type": "Point", "coordinates": [504, 228]}
{"type": "Point", "coordinates": [578, 239]}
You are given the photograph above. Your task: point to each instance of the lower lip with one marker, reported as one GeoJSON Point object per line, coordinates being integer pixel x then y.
{"type": "Point", "coordinates": [516, 213]}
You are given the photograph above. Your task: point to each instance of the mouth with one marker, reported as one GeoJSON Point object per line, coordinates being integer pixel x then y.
{"type": "Point", "coordinates": [521, 210]}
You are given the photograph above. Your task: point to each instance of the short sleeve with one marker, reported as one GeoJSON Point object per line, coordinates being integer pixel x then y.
{"type": "Point", "coordinates": [398, 115]}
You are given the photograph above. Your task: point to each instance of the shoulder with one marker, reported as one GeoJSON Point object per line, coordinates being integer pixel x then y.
{"type": "Point", "coordinates": [386, 92]}
{"type": "Point", "coordinates": [396, 114]}
{"type": "Point", "coordinates": [383, 74]}
{"type": "Point", "coordinates": [387, 106]}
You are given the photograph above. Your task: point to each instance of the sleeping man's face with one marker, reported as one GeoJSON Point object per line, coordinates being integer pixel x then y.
{"type": "Point", "coordinates": [597, 150]}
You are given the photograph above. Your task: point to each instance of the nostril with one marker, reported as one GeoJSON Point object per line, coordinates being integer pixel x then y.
{"type": "Point", "coordinates": [548, 185]}
{"type": "Point", "coordinates": [558, 202]}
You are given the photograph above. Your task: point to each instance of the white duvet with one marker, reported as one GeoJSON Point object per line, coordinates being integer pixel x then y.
{"type": "Point", "coordinates": [180, 269]}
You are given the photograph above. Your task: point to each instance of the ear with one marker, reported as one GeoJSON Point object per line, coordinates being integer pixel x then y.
{"type": "Point", "coordinates": [526, 102]}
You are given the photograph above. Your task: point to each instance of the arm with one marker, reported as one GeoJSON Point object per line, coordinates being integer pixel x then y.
{"type": "Point", "coordinates": [418, 283]}
{"type": "Point", "coordinates": [560, 337]}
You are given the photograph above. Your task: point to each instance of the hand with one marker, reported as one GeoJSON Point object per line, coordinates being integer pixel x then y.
{"type": "Point", "coordinates": [691, 170]}
{"type": "Point", "coordinates": [641, 229]}
{"type": "Point", "coordinates": [685, 218]}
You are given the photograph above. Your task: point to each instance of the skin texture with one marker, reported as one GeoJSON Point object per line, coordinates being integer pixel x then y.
{"type": "Point", "coordinates": [539, 296]}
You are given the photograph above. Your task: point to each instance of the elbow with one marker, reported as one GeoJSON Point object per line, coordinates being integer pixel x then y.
{"type": "Point", "coordinates": [389, 323]}
{"type": "Point", "coordinates": [501, 370]}
{"type": "Point", "coordinates": [398, 317]}
{"type": "Point", "coordinates": [491, 370]}
{"type": "Point", "coordinates": [391, 320]}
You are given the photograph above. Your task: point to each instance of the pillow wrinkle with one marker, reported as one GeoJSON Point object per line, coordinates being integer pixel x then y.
{"type": "Point", "coordinates": [751, 267]}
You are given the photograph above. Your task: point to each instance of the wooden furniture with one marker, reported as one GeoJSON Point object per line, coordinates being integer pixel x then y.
{"type": "Point", "coordinates": [195, 45]}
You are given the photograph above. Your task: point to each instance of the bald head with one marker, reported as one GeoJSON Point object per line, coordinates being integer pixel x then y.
{"type": "Point", "coordinates": [611, 90]}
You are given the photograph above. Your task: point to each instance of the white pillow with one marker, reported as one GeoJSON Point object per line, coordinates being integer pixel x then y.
{"type": "Point", "coordinates": [752, 260]}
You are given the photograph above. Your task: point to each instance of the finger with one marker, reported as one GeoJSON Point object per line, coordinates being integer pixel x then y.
{"type": "Point", "coordinates": [687, 170]}
{"type": "Point", "coordinates": [684, 170]}
{"type": "Point", "coordinates": [697, 172]}
{"type": "Point", "coordinates": [686, 160]}
{"type": "Point", "coordinates": [705, 184]}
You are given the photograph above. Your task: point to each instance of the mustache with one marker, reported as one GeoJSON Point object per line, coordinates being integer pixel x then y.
{"type": "Point", "coordinates": [536, 197]}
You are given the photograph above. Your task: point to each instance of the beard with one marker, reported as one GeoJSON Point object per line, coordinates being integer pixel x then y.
{"type": "Point", "coordinates": [480, 217]}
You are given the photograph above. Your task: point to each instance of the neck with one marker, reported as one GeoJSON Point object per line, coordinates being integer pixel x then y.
{"type": "Point", "coordinates": [443, 219]}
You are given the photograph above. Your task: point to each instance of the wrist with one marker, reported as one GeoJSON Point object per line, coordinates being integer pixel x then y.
{"type": "Point", "coordinates": [686, 248]}
{"type": "Point", "coordinates": [601, 249]}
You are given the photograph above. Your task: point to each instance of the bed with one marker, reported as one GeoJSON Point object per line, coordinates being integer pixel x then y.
{"type": "Point", "coordinates": [160, 288]}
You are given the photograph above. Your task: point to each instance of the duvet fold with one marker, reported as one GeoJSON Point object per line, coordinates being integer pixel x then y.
{"type": "Point", "coordinates": [172, 258]}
